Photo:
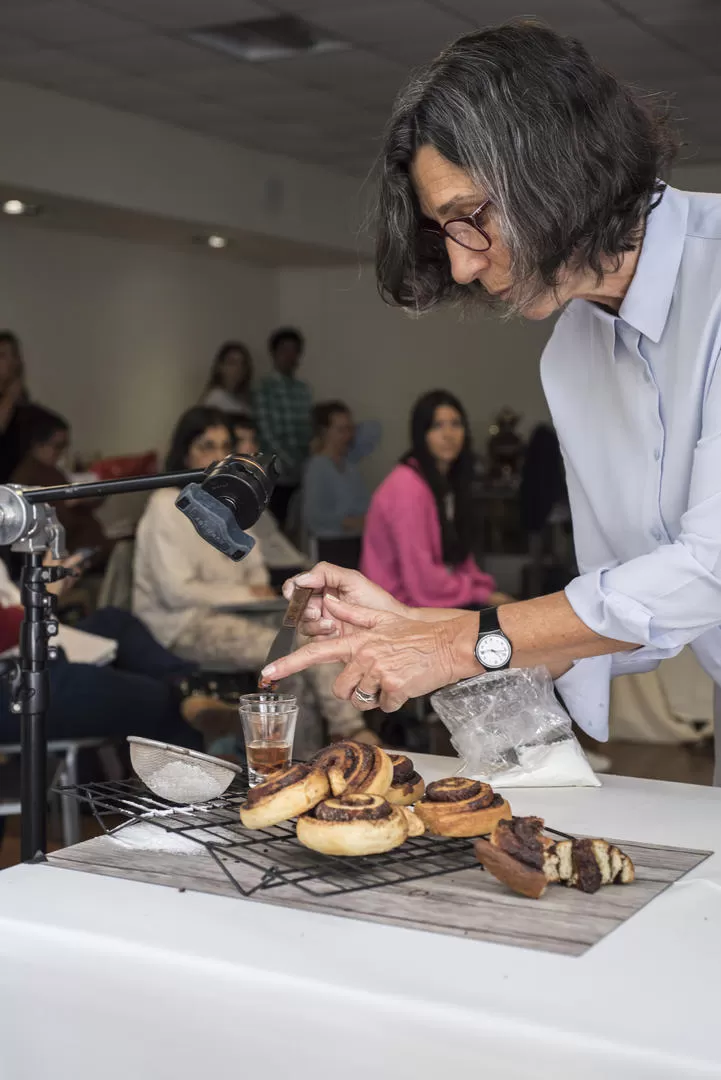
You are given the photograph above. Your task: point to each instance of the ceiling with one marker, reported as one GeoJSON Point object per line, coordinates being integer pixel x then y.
{"type": "Point", "coordinates": [329, 109]}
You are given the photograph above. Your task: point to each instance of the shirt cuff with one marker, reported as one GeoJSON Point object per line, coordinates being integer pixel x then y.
{"type": "Point", "coordinates": [585, 691]}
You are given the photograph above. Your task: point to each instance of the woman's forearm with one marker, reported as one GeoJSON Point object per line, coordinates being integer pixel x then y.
{"type": "Point", "coordinates": [545, 630]}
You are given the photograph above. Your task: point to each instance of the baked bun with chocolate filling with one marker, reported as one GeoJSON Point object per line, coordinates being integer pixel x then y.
{"type": "Point", "coordinates": [355, 768]}
{"type": "Point", "coordinates": [284, 795]}
{"type": "Point", "coordinates": [355, 824]}
{"type": "Point", "coordinates": [408, 786]}
{"type": "Point", "coordinates": [461, 807]}
{"type": "Point", "coordinates": [522, 857]}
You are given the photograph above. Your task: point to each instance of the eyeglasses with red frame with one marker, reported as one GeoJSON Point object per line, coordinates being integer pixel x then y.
{"type": "Point", "coordinates": [462, 230]}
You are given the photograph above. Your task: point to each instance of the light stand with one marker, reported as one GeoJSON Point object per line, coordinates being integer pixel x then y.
{"type": "Point", "coordinates": [221, 502]}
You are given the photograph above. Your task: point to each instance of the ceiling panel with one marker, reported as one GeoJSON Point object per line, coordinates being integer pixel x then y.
{"type": "Point", "coordinates": [53, 67]}
{"type": "Point", "coordinates": [411, 30]}
{"type": "Point", "coordinates": [64, 22]}
{"type": "Point", "coordinates": [357, 75]}
{"type": "Point", "coordinates": [15, 45]}
{"type": "Point", "coordinates": [566, 16]}
{"type": "Point", "coordinates": [331, 108]}
{"type": "Point", "coordinates": [151, 54]}
{"type": "Point", "coordinates": [182, 14]}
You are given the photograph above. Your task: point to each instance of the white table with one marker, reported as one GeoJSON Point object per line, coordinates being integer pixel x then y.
{"type": "Point", "coordinates": [107, 978]}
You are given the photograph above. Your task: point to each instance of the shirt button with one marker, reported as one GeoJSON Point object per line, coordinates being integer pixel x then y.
{"type": "Point", "coordinates": [656, 454]}
{"type": "Point", "coordinates": [656, 534]}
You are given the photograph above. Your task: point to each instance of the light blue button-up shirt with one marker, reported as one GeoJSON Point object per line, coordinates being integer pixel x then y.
{"type": "Point", "coordinates": [636, 400]}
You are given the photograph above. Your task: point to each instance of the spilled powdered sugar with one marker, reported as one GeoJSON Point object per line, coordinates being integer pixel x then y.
{"type": "Point", "coordinates": [146, 837]}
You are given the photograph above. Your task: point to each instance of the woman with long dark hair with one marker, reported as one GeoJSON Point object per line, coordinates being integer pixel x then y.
{"type": "Point", "coordinates": [419, 529]}
{"type": "Point", "coordinates": [229, 383]}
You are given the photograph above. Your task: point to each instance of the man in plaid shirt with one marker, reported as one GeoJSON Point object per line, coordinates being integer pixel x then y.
{"type": "Point", "coordinates": [282, 409]}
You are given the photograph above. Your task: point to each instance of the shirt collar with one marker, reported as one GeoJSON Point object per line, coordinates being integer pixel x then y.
{"type": "Point", "coordinates": [647, 303]}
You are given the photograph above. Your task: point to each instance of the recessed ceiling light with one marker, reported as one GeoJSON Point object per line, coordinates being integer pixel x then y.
{"type": "Point", "coordinates": [216, 241]}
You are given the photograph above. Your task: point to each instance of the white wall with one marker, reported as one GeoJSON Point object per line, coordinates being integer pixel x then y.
{"type": "Point", "coordinates": [60, 145]}
{"type": "Point", "coordinates": [119, 336]}
{"type": "Point", "coordinates": [691, 177]}
{"type": "Point", "coordinates": [379, 359]}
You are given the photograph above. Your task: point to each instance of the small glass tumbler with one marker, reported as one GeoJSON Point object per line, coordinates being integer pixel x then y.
{"type": "Point", "coordinates": [268, 728]}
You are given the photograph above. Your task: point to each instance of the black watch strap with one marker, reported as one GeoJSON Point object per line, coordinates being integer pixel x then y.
{"type": "Point", "coordinates": [488, 621]}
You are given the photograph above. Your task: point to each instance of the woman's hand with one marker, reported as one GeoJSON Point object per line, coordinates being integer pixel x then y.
{"type": "Point", "coordinates": [348, 585]}
{"type": "Point", "coordinates": [387, 656]}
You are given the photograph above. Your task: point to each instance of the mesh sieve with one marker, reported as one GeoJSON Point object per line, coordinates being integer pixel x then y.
{"type": "Point", "coordinates": [178, 774]}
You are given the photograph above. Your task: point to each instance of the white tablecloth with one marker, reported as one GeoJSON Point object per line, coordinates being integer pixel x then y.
{"type": "Point", "coordinates": [107, 978]}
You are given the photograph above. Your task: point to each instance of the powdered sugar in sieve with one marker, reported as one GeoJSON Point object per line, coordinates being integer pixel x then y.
{"type": "Point", "coordinates": [178, 774]}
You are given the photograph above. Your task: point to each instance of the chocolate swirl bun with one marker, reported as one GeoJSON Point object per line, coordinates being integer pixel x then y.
{"type": "Point", "coordinates": [408, 786]}
{"type": "Point", "coordinates": [284, 795]}
{"type": "Point", "coordinates": [353, 824]}
{"type": "Point", "coordinates": [354, 768]}
{"type": "Point", "coordinates": [461, 807]}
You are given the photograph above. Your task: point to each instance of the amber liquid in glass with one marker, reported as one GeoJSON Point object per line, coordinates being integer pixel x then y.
{"type": "Point", "coordinates": [264, 757]}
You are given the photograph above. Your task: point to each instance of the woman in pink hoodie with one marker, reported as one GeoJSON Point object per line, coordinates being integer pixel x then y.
{"type": "Point", "coordinates": [418, 534]}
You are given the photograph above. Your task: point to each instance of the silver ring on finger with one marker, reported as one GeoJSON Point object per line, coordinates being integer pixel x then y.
{"type": "Point", "coordinates": [366, 699]}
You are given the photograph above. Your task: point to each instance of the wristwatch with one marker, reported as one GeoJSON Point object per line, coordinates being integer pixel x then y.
{"type": "Point", "coordinates": [493, 649]}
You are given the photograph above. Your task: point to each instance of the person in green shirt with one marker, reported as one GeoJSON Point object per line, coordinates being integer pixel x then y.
{"type": "Point", "coordinates": [282, 407]}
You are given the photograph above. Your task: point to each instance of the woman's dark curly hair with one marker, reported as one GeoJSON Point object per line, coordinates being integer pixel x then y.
{"type": "Point", "coordinates": [570, 158]}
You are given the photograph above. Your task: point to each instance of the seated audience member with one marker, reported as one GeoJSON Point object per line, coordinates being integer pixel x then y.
{"type": "Point", "coordinates": [13, 396]}
{"type": "Point", "coordinates": [181, 582]}
{"type": "Point", "coordinates": [283, 404]}
{"type": "Point", "coordinates": [335, 499]}
{"type": "Point", "coordinates": [282, 558]}
{"type": "Point", "coordinates": [141, 693]}
{"type": "Point", "coordinates": [419, 529]}
{"type": "Point", "coordinates": [229, 384]}
{"type": "Point", "coordinates": [45, 438]}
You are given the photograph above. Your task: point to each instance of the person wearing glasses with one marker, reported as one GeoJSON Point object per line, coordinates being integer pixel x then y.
{"type": "Point", "coordinates": [519, 175]}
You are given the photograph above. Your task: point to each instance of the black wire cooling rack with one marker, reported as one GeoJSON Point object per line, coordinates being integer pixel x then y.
{"type": "Point", "coordinates": [267, 858]}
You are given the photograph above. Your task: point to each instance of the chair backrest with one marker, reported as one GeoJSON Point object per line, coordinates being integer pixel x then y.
{"type": "Point", "coordinates": [117, 587]}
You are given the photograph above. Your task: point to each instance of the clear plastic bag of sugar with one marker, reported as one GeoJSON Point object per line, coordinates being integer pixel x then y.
{"type": "Point", "coordinates": [510, 730]}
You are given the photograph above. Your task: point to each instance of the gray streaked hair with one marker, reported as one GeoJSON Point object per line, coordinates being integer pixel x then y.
{"type": "Point", "coordinates": [570, 157]}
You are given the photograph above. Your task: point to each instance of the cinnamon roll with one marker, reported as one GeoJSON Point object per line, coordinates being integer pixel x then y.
{"type": "Point", "coordinates": [353, 824]}
{"type": "Point", "coordinates": [461, 807]}
{"type": "Point", "coordinates": [284, 795]}
{"type": "Point", "coordinates": [354, 768]}
{"type": "Point", "coordinates": [407, 786]}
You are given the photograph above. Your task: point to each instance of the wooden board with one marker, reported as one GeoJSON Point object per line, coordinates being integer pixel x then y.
{"type": "Point", "coordinates": [468, 903]}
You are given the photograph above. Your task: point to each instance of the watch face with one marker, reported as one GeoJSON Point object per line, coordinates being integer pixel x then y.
{"type": "Point", "coordinates": [493, 651]}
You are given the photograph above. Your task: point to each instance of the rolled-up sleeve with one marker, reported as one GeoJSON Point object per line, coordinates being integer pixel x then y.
{"type": "Point", "coordinates": [668, 597]}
